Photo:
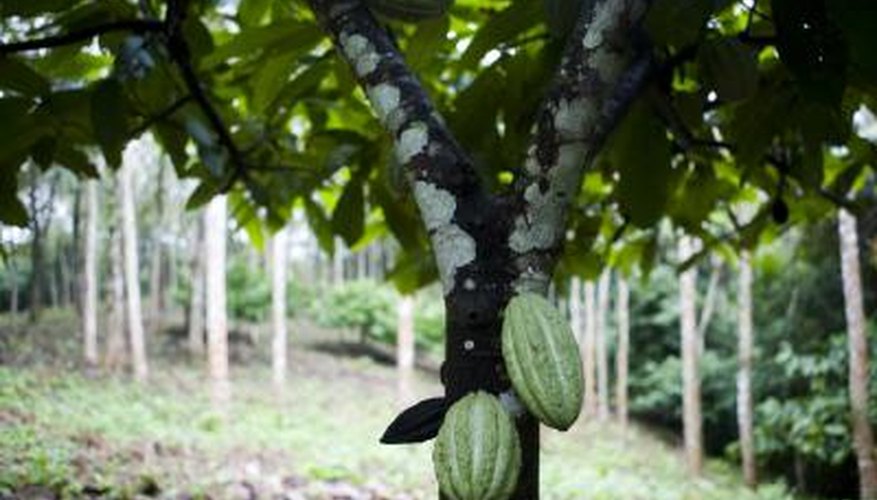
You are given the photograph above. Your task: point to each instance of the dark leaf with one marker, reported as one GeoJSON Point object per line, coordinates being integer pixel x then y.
{"type": "Point", "coordinates": [417, 423]}
{"type": "Point", "coordinates": [17, 75]}
{"type": "Point", "coordinates": [348, 218]}
{"type": "Point", "coordinates": [109, 119]}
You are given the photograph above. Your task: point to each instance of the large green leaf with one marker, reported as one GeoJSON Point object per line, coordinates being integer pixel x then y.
{"type": "Point", "coordinates": [30, 8]}
{"type": "Point", "coordinates": [519, 17]}
{"type": "Point", "coordinates": [253, 12]}
{"type": "Point", "coordinates": [109, 119]}
{"type": "Point", "coordinates": [288, 36]}
{"type": "Point", "coordinates": [12, 210]}
{"type": "Point", "coordinates": [812, 47]}
{"type": "Point", "coordinates": [17, 76]}
{"type": "Point", "coordinates": [677, 22]}
{"type": "Point", "coordinates": [348, 218]}
{"type": "Point", "coordinates": [729, 67]}
{"type": "Point", "coordinates": [641, 153]}
{"type": "Point", "coordinates": [320, 225]}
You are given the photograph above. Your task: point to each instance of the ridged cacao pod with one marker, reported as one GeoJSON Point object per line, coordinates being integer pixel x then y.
{"type": "Point", "coordinates": [542, 360]}
{"type": "Point", "coordinates": [477, 455]}
{"type": "Point", "coordinates": [410, 10]}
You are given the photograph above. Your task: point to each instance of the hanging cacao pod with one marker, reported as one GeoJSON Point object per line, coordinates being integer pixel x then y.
{"type": "Point", "coordinates": [542, 360]}
{"type": "Point", "coordinates": [410, 10]}
{"type": "Point", "coordinates": [477, 455]}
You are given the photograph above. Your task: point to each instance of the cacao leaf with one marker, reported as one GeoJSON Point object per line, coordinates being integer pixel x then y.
{"type": "Point", "coordinates": [418, 423]}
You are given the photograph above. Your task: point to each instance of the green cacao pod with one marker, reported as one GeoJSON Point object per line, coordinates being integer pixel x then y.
{"type": "Point", "coordinates": [410, 10]}
{"type": "Point", "coordinates": [542, 360]}
{"type": "Point", "coordinates": [477, 455]}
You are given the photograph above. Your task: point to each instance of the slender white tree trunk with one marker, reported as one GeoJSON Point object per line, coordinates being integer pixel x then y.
{"type": "Point", "coordinates": [278, 307]}
{"type": "Point", "coordinates": [196, 299]}
{"type": "Point", "coordinates": [744, 371]}
{"type": "Point", "coordinates": [691, 413]}
{"type": "Point", "coordinates": [709, 304]}
{"type": "Point", "coordinates": [131, 269]}
{"type": "Point", "coordinates": [602, 352]}
{"type": "Point", "coordinates": [217, 321]}
{"type": "Point", "coordinates": [863, 438]}
{"type": "Point", "coordinates": [89, 276]}
{"type": "Point", "coordinates": [115, 357]}
{"type": "Point", "coordinates": [13, 299]}
{"type": "Point", "coordinates": [405, 348]}
{"type": "Point", "coordinates": [575, 308]}
{"type": "Point", "coordinates": [622, 318]}
{"type": "Point", "coordinates": [589, 348]}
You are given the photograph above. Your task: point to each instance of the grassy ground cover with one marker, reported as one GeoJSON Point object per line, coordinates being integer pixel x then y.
{"type": "Point", "coordinates": [63, 434]}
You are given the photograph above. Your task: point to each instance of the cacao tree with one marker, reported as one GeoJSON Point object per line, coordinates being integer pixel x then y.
{"type": "Point", "coordinates": [502, 143]}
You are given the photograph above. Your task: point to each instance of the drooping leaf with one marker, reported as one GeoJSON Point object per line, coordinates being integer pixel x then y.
{"type": "Point", "coordinates": [348, 218]}
{"type": "Point", "coordinates": [677, 22]}
{"type": "Point", "coordinates": [17, 75]}
{"type": "Point", "coordinates": [320, 225]}
{"type": "Point", "coordinates": [641, 153]}
{"type": "Point", "coordinates": [109, 119]}
{"type": "Point", "coordinates": [729, 67]}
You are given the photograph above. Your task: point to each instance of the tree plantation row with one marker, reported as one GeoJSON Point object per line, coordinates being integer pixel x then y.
{"type": "Point", "coordinates": [698, 167]}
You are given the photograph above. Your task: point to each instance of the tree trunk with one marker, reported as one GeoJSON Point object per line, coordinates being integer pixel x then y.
{"type": "Point", "coordinates": [622, 312]}
{"type": "Point", "coordinates": [575, 308]}
{"type": "Point", "coordinates": [64, 276]}
{"type": "Point", "coordinates": [214, 282]}
{"type": "Point", "coordinates": [744, 371]}
{"type": "Point", "coordinates": [36, 254]}
{"type": "Point", "coordinates": [602, 354]}
{"type": "Point", "coordinates": [278, 307]}
{"type": "Point", "coordinates": [590, 350]}
{"type": "Point", "coordinates": [338, 262]}
{"type": "Point", "coordinates": [89, 277]}
{"type": "Point", "coordinates": [863, 439]}
{"type": "Point", "coordinates": [131, 270]}
{"type": "Point", "coordinates": [691, 413]}
{"type": "Point", "coordinates": [155, 285]}
{"type": "Point", "coordinates": [115, 358]}
{"type": "Point", "coordinates": [155, 273]}
{"type": "Point", "coordinates": [196, 298]}
{"type": "Point", "coordinates": [709, 304]}
{"type": "Point", "coordinates": [405, 351]}
{"type": "Point", "coordinates": [13, 299]}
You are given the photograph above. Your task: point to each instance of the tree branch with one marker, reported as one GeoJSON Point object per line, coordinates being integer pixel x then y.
{"type": "Point", "coordinates": [162, 115]}
{"type": "Point", "coordinates": [133, 25]}
{"type": "Point", "coordinates": [181, 55]}
{"type": "Point", "coordinates": [602, 71]}
{"type": "Point", "coordinates": [447, 190]}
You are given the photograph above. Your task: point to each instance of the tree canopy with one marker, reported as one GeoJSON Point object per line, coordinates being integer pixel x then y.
{"type": "Point", "coordinates": [744, 117]}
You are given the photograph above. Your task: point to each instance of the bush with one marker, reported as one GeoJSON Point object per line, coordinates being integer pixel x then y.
{"type": "Point", "coordinates": [370, 308]}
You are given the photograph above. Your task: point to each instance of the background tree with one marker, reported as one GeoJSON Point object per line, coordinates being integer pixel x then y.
{"type": "Point", "coordinates": [279, 263]}
{"type": "Point", "coordinates": [131, 265]}
{"type": "Point", "coordinates": [863, 438]}
{"type": "Point", "coordinates": [215, 299]}
{"type": "Point", "coordinates": [692, 421]}
{"type": "Point", "coordinates": [744, 370]}
{"type": "Point", "coordinates": [90, 277]}
{"type": "Point", "coordinates": [602, 329]}
{"type": "Point", "coordinates": [622, 321]}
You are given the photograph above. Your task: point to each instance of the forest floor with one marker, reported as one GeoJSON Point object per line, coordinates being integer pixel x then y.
{"type": "Point", "coordinates": [67, 435]}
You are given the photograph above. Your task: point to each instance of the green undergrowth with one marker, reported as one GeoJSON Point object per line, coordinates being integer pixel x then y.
{"type": "Point", "coordinates": [106, 436]}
